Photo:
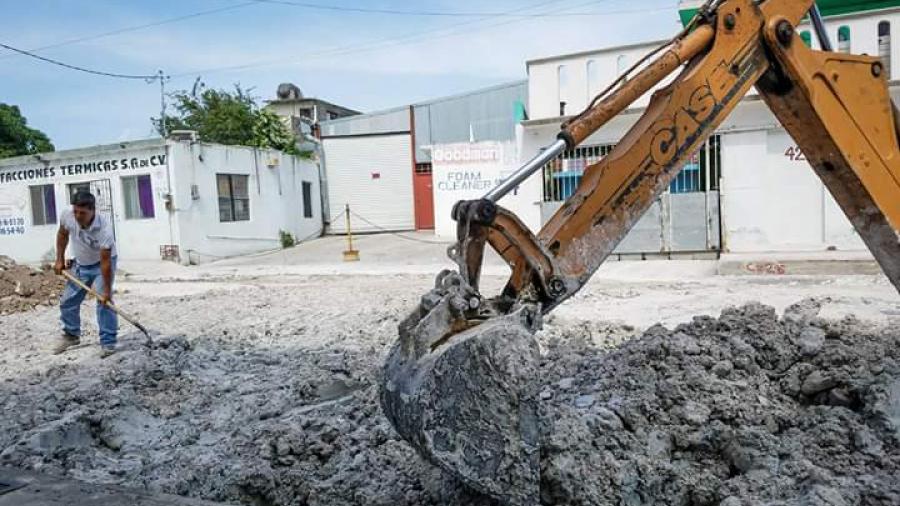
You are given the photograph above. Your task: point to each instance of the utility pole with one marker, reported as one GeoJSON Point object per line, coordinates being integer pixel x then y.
{"type": "Point", "coordinates": [162, 102]}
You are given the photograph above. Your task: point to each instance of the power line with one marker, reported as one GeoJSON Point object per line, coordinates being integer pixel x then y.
{"type": "Point", "coordinates": [426, 35]}
{"type": "Point", "coordinates": [80, 69]}
{"type": "Point", "coordinates": [138, 27]}
{"type": "Point", "coordinates": [398, 12]}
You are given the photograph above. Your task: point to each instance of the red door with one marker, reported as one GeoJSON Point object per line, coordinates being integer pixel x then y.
{"type": "Point", "coordinates": [424, 197]}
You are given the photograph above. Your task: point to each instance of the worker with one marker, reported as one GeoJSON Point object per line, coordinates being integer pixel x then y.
{"type": "Point", "coordinates": [94, 249]}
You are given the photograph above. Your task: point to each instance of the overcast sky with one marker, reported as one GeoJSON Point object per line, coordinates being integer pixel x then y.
{"type": "Point", "coordinates": [366, 61]}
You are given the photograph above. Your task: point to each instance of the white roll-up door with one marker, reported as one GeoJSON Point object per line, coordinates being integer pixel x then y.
{"type": "Point", "coordinates": [373, 174]}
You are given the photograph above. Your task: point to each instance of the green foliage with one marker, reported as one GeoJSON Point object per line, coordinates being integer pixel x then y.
{"type": "Point", "coordinates": [269, 131]}
{"type": "Point", "coordinates": [229, 117]}
{"type": "Point", "coordinates": [17, 138]}
{"type": "Point", "coordinates": [307, 154]}
{"type": "Point", "coordinates": [287, 239]}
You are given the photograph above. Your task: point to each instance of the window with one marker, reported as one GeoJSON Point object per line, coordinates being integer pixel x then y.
{"type": "Point", "coordinates": [43, 205]}
{"type": "Point", "coordinates": [137, 192]}
{"type": "Point", "coordinates": [234, 197]}
{"type": "Point", "coordinates": [562, 78]}
{"type": "Point", "coordinates": [884, 46]}
{"type": "Point", "coordinates": [307, 200]}
{"type": "Point", "coordinates": [806, 37]}
{"type": "Point", "coordinates": [593, 79]}
{"type": "Point", "coordinates": [423, 168]}
{"type": "Point", "coordinates": [844, 39]}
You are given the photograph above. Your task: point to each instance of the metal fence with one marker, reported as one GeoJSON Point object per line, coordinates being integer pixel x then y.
{"type": "Point", "coordinates": [563, 175]}
{"type": "Point", "coordinates": [703, 171]}
{"type": "Point", "coordinates": [686, 217]}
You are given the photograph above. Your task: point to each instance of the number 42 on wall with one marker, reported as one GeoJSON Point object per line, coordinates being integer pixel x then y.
{"type": "Point", "coordinates": [794, 154]}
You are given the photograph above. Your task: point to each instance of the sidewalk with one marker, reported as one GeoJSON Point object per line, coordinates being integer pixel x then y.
{"type": "Point", "coordinates": [423, 254]}
{"type": "Point", "coordinates": [807, 263]}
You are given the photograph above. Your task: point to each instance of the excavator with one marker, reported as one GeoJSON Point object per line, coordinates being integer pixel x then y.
{"type": "Point", "coordinates": [459, 385]}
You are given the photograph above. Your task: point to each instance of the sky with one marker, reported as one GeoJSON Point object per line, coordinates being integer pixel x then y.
{"type": "Point", "coordinates": [363, 60]}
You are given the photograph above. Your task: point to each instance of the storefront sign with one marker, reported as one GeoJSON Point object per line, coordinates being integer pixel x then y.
{"type": "Point", "coordinates": [466, 171]}
{"type": "Point", "coordinates": [66, 169]}
{"type": "Point", "coordinates": [467, 180]}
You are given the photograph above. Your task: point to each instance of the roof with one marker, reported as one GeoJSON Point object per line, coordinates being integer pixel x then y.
{"type": "Point", "coordinates": [82, 152]}
{"type": "Point", "coordinates": [479, 91]}
{"type": "Point", "coordinates": [608, 49]}
{"type": "Point", "coordinates": [310, 99]}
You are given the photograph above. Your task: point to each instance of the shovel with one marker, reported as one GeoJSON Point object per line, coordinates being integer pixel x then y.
{"type": "Point", "coordinates": [110, 305]}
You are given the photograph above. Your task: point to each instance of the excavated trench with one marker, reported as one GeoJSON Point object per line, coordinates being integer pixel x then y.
{"type": "Point", "coordinates": [749, 408]}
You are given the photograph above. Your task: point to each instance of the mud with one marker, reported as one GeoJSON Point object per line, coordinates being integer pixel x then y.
{"type": "Point", "coordinates": [742, 410]}
{"type": "Point", "coordinates": [23, 288]}
{"type": "Point", "coordinates": [277, 405]}
{"type": "Point", "coordinates": [199, 422]}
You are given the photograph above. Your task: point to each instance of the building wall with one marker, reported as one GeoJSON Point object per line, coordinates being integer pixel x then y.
{"type": "Point", "coordinates": [136, 238]}
{"type": "Point", "coordinates": [584, 75]}
{"type": "Point", "coordinates": [373, 174]}
{"type": "Point", "coordinates": [310, 108]}
{"type": "Point", "coordinates": [383, 122]}
{"type": "Point", "coordinates": [863, 33]}
{"type": "Point", "coordinates": [546, 90]}
{"type": "Point", "coordinates": [276, 199]}
{"type": "Point", "coordinates": [771, 200]}
{"type": "Point", "coordinates": [179, 219]}
{"type": "Point", "coordinates": [483, 115]}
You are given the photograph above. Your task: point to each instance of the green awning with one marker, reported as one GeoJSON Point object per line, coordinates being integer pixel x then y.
{"type": "Point", "coordinates": [828, 7]}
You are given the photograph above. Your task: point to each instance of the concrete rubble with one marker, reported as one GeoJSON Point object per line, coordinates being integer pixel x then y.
{"type": "Point", "coordinates": [749, 408]}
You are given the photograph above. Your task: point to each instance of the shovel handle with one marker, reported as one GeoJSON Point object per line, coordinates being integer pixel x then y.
{"type": "Point", "coordinates": [68, 275]}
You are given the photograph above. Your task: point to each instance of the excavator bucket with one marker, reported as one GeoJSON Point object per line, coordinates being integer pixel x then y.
{"type": "Point", "coordinates": [466, 399]}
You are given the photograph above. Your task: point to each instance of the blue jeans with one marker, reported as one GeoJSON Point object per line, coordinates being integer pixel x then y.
{"type": "Point", "coordinates": [73, 296]}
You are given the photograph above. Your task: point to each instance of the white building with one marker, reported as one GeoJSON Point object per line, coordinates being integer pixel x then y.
{"type": "Point", "coordinates": [389, 166]}
{"type": "Point", "coordinates": [748, 190]}
{"type": "Point", "coordinates": [174, 199]}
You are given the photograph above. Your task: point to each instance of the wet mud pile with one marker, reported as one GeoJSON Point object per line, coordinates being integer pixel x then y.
{"type": "Point", "coordinates": [240, 424]}
{"type": "Point", "coordinates": [23, 288]}
{"type": "Point", "coordinates": [745, 409]}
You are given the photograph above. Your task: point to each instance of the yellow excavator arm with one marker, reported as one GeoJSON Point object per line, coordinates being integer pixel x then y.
{"type": "Point", "coordinates": [441, 389]}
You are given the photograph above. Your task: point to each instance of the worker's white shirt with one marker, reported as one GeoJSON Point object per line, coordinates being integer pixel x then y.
{"type": "Point", "coordinates": [86, 243]}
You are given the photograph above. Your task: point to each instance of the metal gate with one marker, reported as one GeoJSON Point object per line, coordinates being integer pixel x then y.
{"type": "Point", "coordinates": [101, 189]}
{"type": "Point", "coordinates": [685, 219]}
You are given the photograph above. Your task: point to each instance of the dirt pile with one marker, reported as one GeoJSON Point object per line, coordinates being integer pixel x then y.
{"type": "Point", "coordinates": [23, 288]}
{"type": "Point", "coordinates": [243, 425]}
{"type": "Point", "coordinates": [742, 410]}
{"type": "Point", "coordinates": [745, 409]}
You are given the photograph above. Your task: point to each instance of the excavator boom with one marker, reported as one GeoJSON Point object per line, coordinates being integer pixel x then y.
{"type": "Point", "coordinates": [460, 384]}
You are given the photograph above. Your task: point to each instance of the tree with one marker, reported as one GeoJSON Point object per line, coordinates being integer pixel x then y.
{"type": "Point", "coordinates": [227, 117]}
{"type": "Point", "coordinates": [17, 138]}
